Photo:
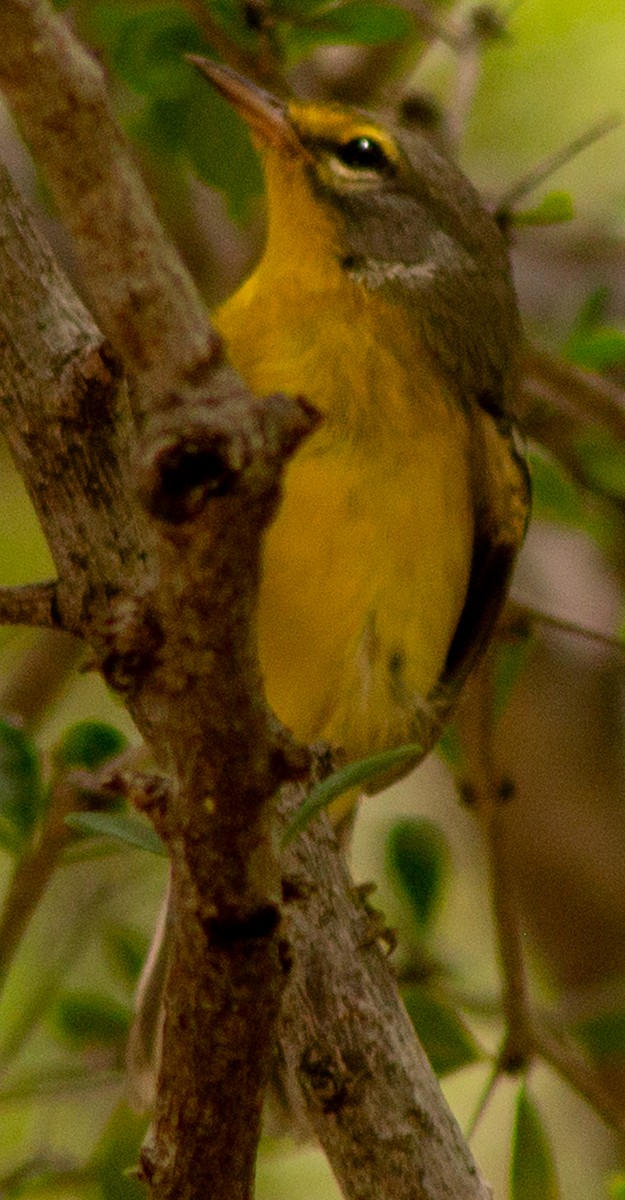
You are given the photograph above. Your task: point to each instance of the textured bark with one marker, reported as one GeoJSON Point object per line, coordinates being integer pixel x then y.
{"type": "Point", "coordinates": [348, 1050]}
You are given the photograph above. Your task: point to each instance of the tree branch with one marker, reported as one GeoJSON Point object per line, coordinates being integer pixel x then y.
{"type": "Point", "coordinates": [144, 298]}
{"type": "Point", "coordinates": [348, 1049]}
{"type": "Point", "coordinates": [584, 398]}
{"type": "Point", "coordinates": [31, 604]}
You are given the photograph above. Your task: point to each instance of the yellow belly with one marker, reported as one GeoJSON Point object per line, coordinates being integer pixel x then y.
{"type": "Point", "coordinates": [367, 563]}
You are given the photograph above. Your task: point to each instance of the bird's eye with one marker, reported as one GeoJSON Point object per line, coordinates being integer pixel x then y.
{"type": "Point", "coordinates": [362, 154]}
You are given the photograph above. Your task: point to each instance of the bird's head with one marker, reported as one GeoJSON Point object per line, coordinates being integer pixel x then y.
{"type": "Point", "coordinates": [394, 214]}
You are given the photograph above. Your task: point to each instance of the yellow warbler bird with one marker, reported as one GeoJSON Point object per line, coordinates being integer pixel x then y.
{"type": "Point", "coordinates": [384, 297]}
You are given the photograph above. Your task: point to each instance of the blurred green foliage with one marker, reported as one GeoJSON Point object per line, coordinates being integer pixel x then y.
{"type": "Point", "coordinates": [21, 791]}
{"type": "Point", "coordinates": [532, 1170]}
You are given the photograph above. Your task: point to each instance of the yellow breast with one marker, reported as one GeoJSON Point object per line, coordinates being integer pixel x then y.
{"type": "Point", "coordinates": [367, 564]}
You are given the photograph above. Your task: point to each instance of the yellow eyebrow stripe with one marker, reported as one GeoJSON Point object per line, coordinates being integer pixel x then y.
{"type": "Point", "coordinates": [324, 123]}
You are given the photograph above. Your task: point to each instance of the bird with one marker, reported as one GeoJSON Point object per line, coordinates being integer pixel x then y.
{"type": "Point", "coordinates": [383, 296]}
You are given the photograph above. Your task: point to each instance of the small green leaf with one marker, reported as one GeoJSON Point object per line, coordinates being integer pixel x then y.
{"type": "Point", "coordinates": [449, 747]}
{"type": "Point", "coordinates": [447, 1041]}
{"type": "Point", "coordinates": [510, 663]}
{"type": "Point", "coordinates": [122, 826]}
{"type": "Point", "coordinates": [161, 128]}
{"type": "Point", "coordinates": [616, 1187]}
{"type": "Point", "coordinates": [345, 24]}
{"type": "Point", "coordinates": [532, 1170]}
{"type": "Point", "coordinates": [117, 1153]}
{"type": "Point", "coordinates": [600, 350]}
{"type": "Point", "coordinates": [88, 744]}
{"type": "Point", "coordinates": [88, 1018]}
{"type": "Point", "coordinates": [21, 794]}
{"type": "Point", "coordinates": [361, 22]}
{"type": "Point", "coordinates": [554, 495]}
{"type": "Point", "coordinates": [417, 855]}
{"type": "Point", "coordinates": [604, 1035]}
{"type": "Point", "coordinates": [553, 209]}
{"type": "Point", "coordinates": [604, 460]}
{"type": "Point", "coordinates": [354, 775]}
{"type": "Point", "coordinates": [592, 310]}
{"type": "Point", "coordinates": [127, 947]}
{"type": "Point", "coordinates": [149, 47]}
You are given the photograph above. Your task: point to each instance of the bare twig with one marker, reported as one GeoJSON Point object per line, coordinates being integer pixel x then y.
{"type": "Point", "coordinates": [484, 1100]}
{"type": "Point", "coordinates": [528, 615]}
{"type": "Point", "coordinates": [486, 793]}
{"type": "Point", "coordinates": [30, 604]}
{"type": "Point", "coordinates": [145, 299]}
{"type": "Point", "coordinates": [584, 398]}
{"type": "Point", "coordinates": [568, 1060]}
{"type": "Point", "coordinates": [40, 674]}
{"type": "Point", "coordinates": [263, 64]}
{"type": "Point", "coordinates": [32, 875]}
{"type": "Point", "coordinates": [529, 182]}
{"type": "Point", "coordinates": [347, 1046]}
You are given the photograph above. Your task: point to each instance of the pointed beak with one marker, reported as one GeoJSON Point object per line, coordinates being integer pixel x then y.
{"type": "Point", "coordinates": [266, 116]}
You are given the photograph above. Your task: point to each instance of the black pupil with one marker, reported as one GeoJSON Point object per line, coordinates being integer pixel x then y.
{"type": "Point", "coordinates": [364, 153]}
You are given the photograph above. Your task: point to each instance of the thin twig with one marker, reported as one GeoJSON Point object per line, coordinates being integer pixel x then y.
{"type": "Point", "coordinates": [578, 395]}
{"type": "Point", "coordinates": [430, 23]}
{"type": "Point", "coordinates": [30, 604]}
{"type": "Point", "coordinates": [32, 875]}
{"type": "Point", "coordinates": [525, 612]}
{"type": "Point", "coordinates": [567, 1059]}
{"type": "Point", "coordinates": [148, 304]}
{"type": "Point", "coordinates": [38, 678]}
{"type": "Point", "coordinates": [475, 724]}
{"type": "Point", "coordinates": [263, 66]}
{"type": "Point", "coordinates": [529, 182]}
{"type": "Point", "coordinates": [484, 1100]}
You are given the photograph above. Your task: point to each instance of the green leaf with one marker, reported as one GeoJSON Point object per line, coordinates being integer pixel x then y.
{"type": "Point", "coordinates": [219, 149]}
{"type": "Point", "coordinates": [127, 947]}
{"type": "Point", "coordinates": [122, 826]}
{"type": "Point", "coordinates": [162, 128]}
{"type": "Point", "coordinates": [88, 744]}
{"type": "Point", "coordinates": [553, 209]}
{"type": "Point", "coordinates": [21, 794]}
{"type": "Point", "coordinates": [592, 310]}
{"type": "Point", "coordinates": [447, 1041]}
{"type": "Point", "coordinates": [350, 23]}
{"type": "Point", "coordinates": [593, 344]}
{"type": "Point", "coordinates": [361, 22]}
{"type": "Point", "coordinates": [604, 460]}
{"type": "Point", "coordinates": [532, 1170]}
{"type": "Point", "coordinates": [354, 775]}
{"type": "Point", "coordinates": [148, 47]}
{"type": "Point", "coordinates": [449, 747]}
{"type": "Point", "coordinates": [417, 855]}
{"type": "Point", "coordinates": [604, 1035]}
{"type": "Point", "coordinates": [600, 350]}
{"type": "Point", "coordinates": [510, 663]}
{"type": "Point", "coordinates": [616, 1187]}
{"type": "Point", "coordinates": [554, 495]}
{"type": "Point", "coordinates": [88, 1018]}
{"type": "Point", "coordinates": [117, 1154]}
